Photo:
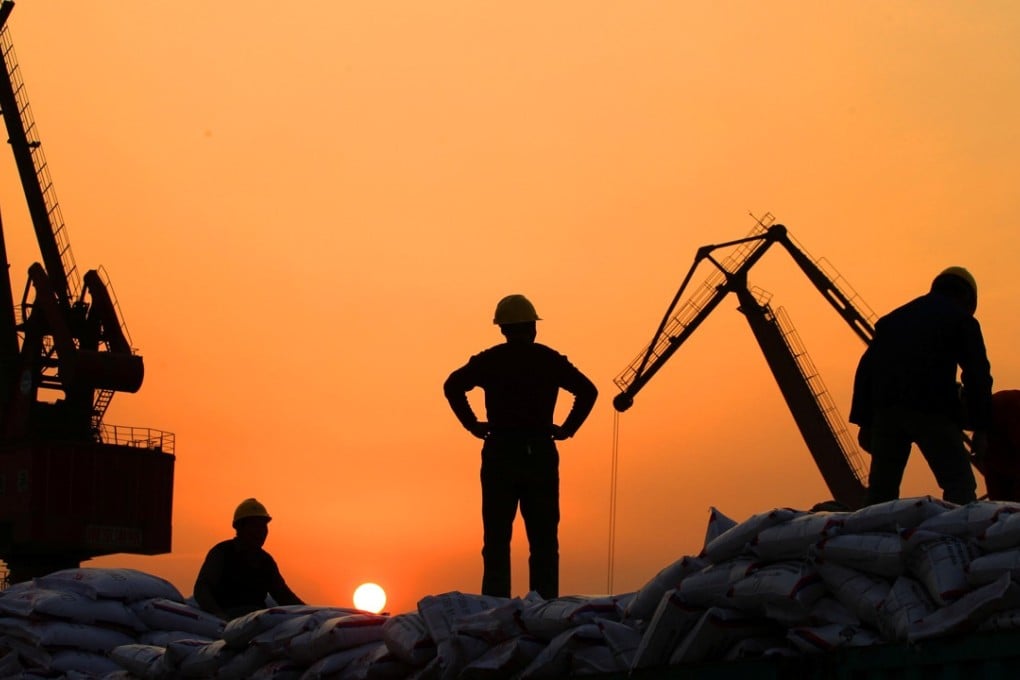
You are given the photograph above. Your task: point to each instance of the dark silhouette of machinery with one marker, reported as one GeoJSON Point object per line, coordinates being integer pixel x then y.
{"type": "Point", "coordinates": [824, 431]}
{"type": "Point", "coordinates": [71, 487]}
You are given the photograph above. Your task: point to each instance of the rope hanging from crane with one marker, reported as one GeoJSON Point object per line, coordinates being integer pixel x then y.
{"type": "Point", "coordinates": [613, 467]}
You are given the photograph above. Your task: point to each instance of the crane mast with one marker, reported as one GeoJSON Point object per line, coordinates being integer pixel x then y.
{"type": "Point", "coordinates": [823, 431]}
{"type": "Point", "coordinates": [71, 487]}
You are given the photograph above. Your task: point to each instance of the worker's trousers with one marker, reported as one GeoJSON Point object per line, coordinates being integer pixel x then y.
{"type": "Point", "coordinates": [520, 470]}
{"type": "Point", "coordinates": [940, 440]}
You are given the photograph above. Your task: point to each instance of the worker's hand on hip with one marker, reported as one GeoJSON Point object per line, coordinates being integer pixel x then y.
{"type": "Point", "coordinates": [559, 434]}
{"type": "Point", "coordinates": [979, 447]}
{"type": "Point", "coordinates": [480, 430]}
{"type": "Point", "coordinates": [864, 439]}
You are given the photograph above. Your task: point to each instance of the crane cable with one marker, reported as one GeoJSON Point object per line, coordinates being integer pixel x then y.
{"type": "Point", "coordinates": [612, 501]}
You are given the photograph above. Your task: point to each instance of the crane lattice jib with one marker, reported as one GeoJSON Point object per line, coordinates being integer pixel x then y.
{"type": "Point", "coordinates": [40, 195]}
{"type": "Point", "coordinates": [682, 320]}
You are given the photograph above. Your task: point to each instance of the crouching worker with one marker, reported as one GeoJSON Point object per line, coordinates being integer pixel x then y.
{"type": "Point", "coordinates": [238, 574]}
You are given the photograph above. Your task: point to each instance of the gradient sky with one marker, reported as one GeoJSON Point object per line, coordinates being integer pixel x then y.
{"type": "Point", "coordinates": [309, 212]}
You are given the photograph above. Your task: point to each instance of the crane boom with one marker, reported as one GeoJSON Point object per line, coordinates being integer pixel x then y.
{"type": "Point", "coordinates": [832, 449]}
{"type": "Point", "coordinates": [84, 488]}
{"type": "Point", "coordinates": [33, 170]}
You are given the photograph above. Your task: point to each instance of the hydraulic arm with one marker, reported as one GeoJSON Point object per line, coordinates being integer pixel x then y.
{"type": "Point", "coordinates": [823, 431]}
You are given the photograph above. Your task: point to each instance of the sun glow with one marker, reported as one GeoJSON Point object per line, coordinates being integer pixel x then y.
{"type": "Point", "coordinates": [370, 597]}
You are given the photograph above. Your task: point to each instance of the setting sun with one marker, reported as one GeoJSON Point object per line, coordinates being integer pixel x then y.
{"type": "Point", "coordinates": [370, 597]}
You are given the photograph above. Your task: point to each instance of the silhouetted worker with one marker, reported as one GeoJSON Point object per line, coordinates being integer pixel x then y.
{"type": "Point", "coordinates": [906, 390]}
{"type": "Point", "coordinates": [520, 463]}
{"type": "Point", "coordinates": [1001, 462]}
{"type": "Point", "coordinates": [238, 574]}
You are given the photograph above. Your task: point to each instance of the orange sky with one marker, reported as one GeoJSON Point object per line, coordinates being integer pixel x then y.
{"type": "Point", "coordinates": [309, 212]}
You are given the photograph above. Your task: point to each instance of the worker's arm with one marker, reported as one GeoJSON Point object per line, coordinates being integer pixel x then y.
{"type": "Point", "coordinates": [585, 393]}
{"type": "Point", "coordinates": [456, 388]}
{"type": "Point", "coordinates": [280, 591]}
{"type": "Point", "coordinates": [860, 403]}
{"type": "Point", "coordinates": [210, 573]}
{"type": "Point", "coordinates": [976, 376]}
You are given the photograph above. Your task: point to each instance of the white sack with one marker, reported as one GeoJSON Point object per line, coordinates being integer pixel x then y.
{"type": "Point", "coordinates": [332, 665]}
{"type": "Point", "coordinates": [832, 636]}
{"type": "Point", "coordinates": [440, 612]}
{"type": "Point", "coordinates": [278, 669]}
{"type": "Point", "coordinates": [737, 539]}
{"type": "Point", "coordinates": [622, 641]}
{"type": "Point", "coordinates": [907, 603]}
{"type": "Point", "coordinates": [555, 660]}
{"type": "Point", "coordinates": [128, 585]}
{"type": "Point", "coordinates": [968, 611]}
{"type": "Point", "coordinates": [988, 568]}
{"type": "Point", "coordinates": [335, 634]}
{"type": "Point", "coordinates": [239, 631]}
{"type": "Point", "coordinates": [718, 524]}
{"type": "Point", "coordinates": [549, 618]}
{"type": "Point", "coordinates": [968, 520]}
{"type": "Point", "coordinates": [193, 659]}
{"type": "Point", "coordinates": [648, 597]}
{"type": "Point", "coordinates": [145, 661]}
{"type": "Point", "coordinates": [71, 660]}
{"type": "Point", "coordinates": [709, 587]}
{"type": "Point", "coordinates": [714, 634]}
{"type": "Point", "coordinates": [941, 565]}
{"type": "Point", "coordinates": [875, 553]}
{"type": "Point", "coordinates": [407, 637]}
{"type": "Point", "coordinates": [792, 539]}
{"type": "Point", "coordinates": [894, 515]}
{"type": "Point", "coordinates": [861, 593]}
{"type": "Point", "coordinates": [163, 614]}
{"type": "Point", "coordinates": [778, 583]}
{"type": "Point", "coordinates": [1002, 534]}
{"type": "Point", "coordinates": [504, 660]}
{"type": "Point", "coordinates": [52, 633]}
{"type": "Point", "coordinates": [376, 663]}
{"type": "Point", "coordinates": [497, 624]}
{"type": "Point", "coordinates": [672, 620]}
{"type": "Point", "coordinates": [68, 606]}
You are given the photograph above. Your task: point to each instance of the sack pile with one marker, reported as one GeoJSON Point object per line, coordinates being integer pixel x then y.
{"type": "Point", "coordinates": [782, 583]}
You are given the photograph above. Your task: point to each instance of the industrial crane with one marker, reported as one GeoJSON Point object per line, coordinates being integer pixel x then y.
{"type": "Point", "coordinates": [71, 487]}
{"type": "Point", "coordinates": [825, 434]}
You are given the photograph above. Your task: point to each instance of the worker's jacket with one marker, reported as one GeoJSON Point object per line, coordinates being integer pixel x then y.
{"type": "Point", "coordinates": [913, 359]}
{"type": "Point", "coordinates": [241, 577]}
{"type": "Point", "coordinates": [521, 381]}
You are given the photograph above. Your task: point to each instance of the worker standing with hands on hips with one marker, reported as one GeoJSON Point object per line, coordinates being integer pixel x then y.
{"type": "Point", "coordinates": [520, 462]}
{"type": "Point", "coordinates": [238, 574]}
{"type": "Point", "coordinates": [906, 391]}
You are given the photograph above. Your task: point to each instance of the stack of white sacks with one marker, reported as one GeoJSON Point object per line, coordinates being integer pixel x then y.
{"type": "Point", "coordinates": [781, 583]}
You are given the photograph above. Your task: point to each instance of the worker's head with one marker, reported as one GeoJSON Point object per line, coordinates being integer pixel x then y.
{"type": "Point", "coordinates": [958, 284]}
{"type": "Point", "coordinates": [516, 317]}
{"type": "Point", "coordinates": [251, 522]}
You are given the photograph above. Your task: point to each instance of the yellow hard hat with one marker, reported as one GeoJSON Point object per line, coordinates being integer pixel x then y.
{"type": "Point", "coordinates": [514, 309]}
{"type": "Point", "coordinates": [960, 273]}
{"type": "Point", "coordinates": [250, 507]}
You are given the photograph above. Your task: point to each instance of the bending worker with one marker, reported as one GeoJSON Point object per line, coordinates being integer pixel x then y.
{"type": "Point", "coordinates": [238, 574]}
{"type": "Point", "coordinates": [520, 463]}
{"type": "Point", "coordinates": [906, 392]}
